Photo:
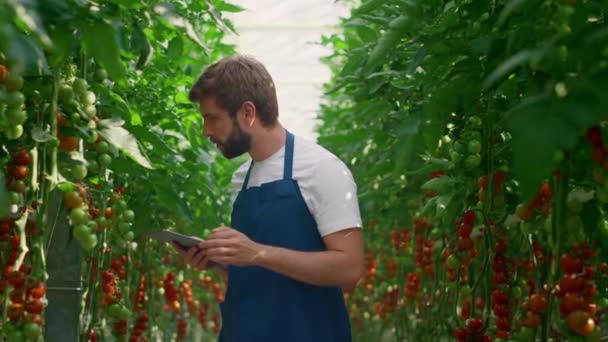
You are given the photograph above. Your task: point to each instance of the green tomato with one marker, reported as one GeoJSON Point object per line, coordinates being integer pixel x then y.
{"type": "Point", "coordinates": [75, 118]}
{"type": "Point", "coordinates": [53, 143]}
{"type": "Point", "coordinates": [101, 74]}
{"type": "Point", "coordinates": [13, 197]}
{"type": "Point", "coordinates": [16, 116]}
{"type": "Point", "coordinates": [90, 111]}
{"type": "Point", "coordinates": [125, 313]}
{"type": "Point", "coordinates": [32, 331]}
{"type": "Point", "coordinates": [473, 161]}
{"type": "Point", "coordinates": [82, 232]}
{"type": "Point", "coordinates": [124, 227]}
{"type": "Point", "coordinates": [516, 292]}
{"type": "Point", "coordinates": [475, 135]}
{"type": "Point", "coordinates": [93, 166]}
{"type": "Point", "coordinates": [90, 242]}
{"type": "Point", "coordinates": [102, 221]}
{"type": "Point", "coordinates": [66, 93]}
{"type": "Point", "coordinates": [129, 236]}
{"type": "Point", "coordinates": [79, 216]}
{"type": "Point", "coordinates": [104, 160]}
{"type": "Point", "coordinates": [455, 156]}
{"type": "Point", "coordinates": [474, 147]}
{"type": "Point", "coordinates": [121, 205]}
{"type": "Point", "coordinates": [128, 216]}
{"type": "Point", "coordinates": [13, 82]}
{"type": "Point", "coordinates": [79, 172]}
{"type": "Point", "coordinates": [15, 336]}
{"type": "Point", "coordinates": [80, 86]}
{"type": "Point", "coordinates": [88, 98]}
{"type": "Point", "coordinates": [525, 334]}
{"type": "Point", "coordinates": [452, 261]}
{"type": "Point", "coordinates": [92, 138]}
{"type": "Point", "coordinates": [14, 99]}
{"type": "Point", "coordinates": [14, 132]}
{"type": "Point", "coordinates": [114, 310]}
{"type": "Point", "coordinates": [102, 147]}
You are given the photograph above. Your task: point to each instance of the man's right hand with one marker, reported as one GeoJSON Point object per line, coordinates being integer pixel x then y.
{"type": "Point", "coordinates": [194, 256]}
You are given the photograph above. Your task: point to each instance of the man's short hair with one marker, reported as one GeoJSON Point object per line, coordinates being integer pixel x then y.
{"type": "Point", "coordinates": [234, 80]}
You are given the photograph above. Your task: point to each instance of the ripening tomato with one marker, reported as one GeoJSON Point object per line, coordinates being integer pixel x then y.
{"type": "Point", "coordinates": [570, 302]}
{"type": "Point", "coordinates": [34, 306]}
{"type": "Point", "coordinates": [15, 311]}
{"type": "Point", "coordinates": [538, 303]}
{"type": "Point", "coordinates": [68, 143]}
{"type": "Point", "coordinates": [21, 157]}
{"type": "Point", "coordinates": [580, 322]}
{"type": "Point", "coordinates": [532, 320]}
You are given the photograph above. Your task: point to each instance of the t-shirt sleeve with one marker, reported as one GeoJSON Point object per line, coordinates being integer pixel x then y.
{"type": "Point", "coordinates": [335, 205]}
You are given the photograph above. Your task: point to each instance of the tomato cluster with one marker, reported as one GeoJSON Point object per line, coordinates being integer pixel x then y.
{"type": "Point", "coordinates": [576, 290]}
{"type": "Point", "coordinates": [15, 115]}
{"type": "Point", "coordinates": [172, 297]}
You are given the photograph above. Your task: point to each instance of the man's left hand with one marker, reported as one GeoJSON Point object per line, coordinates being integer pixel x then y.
{"type": "Point", "coordinates": [229, 246]}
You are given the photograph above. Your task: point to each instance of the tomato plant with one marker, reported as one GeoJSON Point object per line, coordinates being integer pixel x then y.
{"type": "Point", "coordinates": [98, 145]}
{"type": "Point", "coordinates": [485, 121]}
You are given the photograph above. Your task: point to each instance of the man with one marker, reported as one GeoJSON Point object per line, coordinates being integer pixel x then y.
{"type": "Point", "coordinates": [295, 240]}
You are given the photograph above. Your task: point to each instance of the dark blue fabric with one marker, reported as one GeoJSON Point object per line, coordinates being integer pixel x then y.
{"type": "Point", "coordinates": [262, 305]}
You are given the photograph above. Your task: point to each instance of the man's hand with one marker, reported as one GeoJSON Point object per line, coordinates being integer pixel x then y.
{"type": "Point", "coordinates": [229, 246]}
{"type": "Point", "coordinates": [194, 256]}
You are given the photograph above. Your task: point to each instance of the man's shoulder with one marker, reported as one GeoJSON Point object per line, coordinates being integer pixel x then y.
{"type": "Point", "coordinates": [309, 150]}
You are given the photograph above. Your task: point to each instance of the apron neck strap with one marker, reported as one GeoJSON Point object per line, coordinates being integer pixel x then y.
{"type": "Point", "coordinates": [287, 163]}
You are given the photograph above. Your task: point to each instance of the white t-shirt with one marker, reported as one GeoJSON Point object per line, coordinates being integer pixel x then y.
{"type": "Point", "coordinates": [326, 184]}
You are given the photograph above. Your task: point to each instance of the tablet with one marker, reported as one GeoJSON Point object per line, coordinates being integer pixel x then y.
{"type": "Point", "coordinates": [168, 236]}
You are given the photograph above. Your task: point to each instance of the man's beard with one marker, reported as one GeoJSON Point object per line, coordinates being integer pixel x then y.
{"type": "Point", "coordinates": [237, 143]}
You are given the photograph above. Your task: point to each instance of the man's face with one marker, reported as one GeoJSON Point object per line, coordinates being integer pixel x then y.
{"type": "Point", "coordinates": [224, 131]}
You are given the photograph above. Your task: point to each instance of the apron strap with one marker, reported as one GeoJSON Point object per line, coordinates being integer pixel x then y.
{"type": "Point", "coordinates": [244, 187]}
{"type": "Point", "coordinates": [287, 164]}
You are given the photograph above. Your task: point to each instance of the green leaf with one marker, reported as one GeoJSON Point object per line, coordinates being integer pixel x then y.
{"type": "Point", "coordinates": [226, 7]}
{"type": "Point", "coordinates": [169, 196]}
{"type": "Point", "coordinates": [22, 52]}
{"type": "Point", "coordinates": [100, 42]}
{"type": "Point", "coordinates": [178, 21]}
{"type": "Point", "coordinates": [67, 186]}
{"type": "Point", "coordinates": [389, 39]}
{"type": "Point", "coordinates": [534, 148]}
{"type": "Point", "coordinates": [124, 141]}
{"type": "Point", "coordinates": [507, 67]}
{"type": "Point", "coordinates": [30, 19]}
{"type": "Point", "coordinates": [176, 47]}
{"type": "Point", "coordinates": [368, 6]}
{"type": "Point", "coordinates": [439, 184]}
{"type": "Point", "coordinates": [408, 135]}
{"type": "Point", "coordinates": [39, 135]}
{"type": "Point", "coordinates": [509, 8]}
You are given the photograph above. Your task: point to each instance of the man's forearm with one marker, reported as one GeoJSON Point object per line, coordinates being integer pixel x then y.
{"type": "Point", "coordinates": [323, 268]}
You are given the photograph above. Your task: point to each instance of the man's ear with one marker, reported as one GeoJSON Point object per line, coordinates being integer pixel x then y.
{"type": "Point", "coordinates": [249, 113]}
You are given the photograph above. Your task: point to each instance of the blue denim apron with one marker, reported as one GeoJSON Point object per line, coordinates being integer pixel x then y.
{"type": "Point", "coordinates": [262, 305]}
